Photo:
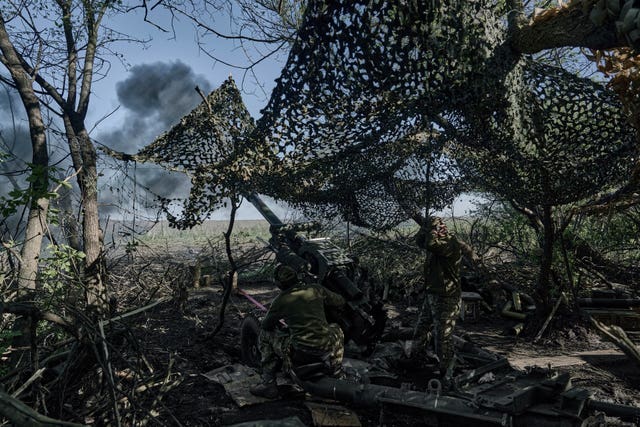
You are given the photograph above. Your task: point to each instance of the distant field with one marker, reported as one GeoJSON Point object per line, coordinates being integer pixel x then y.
{"type": "Point", "coordinates": [209, 227]}
{"type": "Point", "coordinates": [209, 230]}
{"type": "Point", "coordinates": [150, 233]}
{"type": "Point", "coordinates": [243, 231]}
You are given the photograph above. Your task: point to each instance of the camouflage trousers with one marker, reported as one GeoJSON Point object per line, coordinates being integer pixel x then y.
{"type": "Point", "coordinates": [436, 324]}
{"type": "Point", "coordinates": [278, 352]}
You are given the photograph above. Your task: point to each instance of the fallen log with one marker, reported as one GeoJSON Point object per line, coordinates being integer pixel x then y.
{"type": "Point", "coordinates": [619, 337]}
{"type": "Point", "coordinates": [20, 414]}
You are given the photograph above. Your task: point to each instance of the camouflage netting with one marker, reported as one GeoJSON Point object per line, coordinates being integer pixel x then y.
{"type": "Point", "coordinates": [370, 74]}
{"type": "Point", "coordinates": [208, 135]}
{"type": "Point", "coordinates": [368, 187]}
{"type": "Point", "coordinates": [205, 145]}
{"type": "Point", "coordinates": [340, 135]}
{"type": "Point", "coordinates": [559, 137]}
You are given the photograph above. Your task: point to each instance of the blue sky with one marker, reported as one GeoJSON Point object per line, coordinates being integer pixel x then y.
{"type": "Point", "coordinates": [164, 47]}
{"type": "Point", "coordinates": [127, 125]}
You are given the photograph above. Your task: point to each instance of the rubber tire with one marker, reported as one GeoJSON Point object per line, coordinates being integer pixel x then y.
{"type": "Point", "coordinates": [249, 348]}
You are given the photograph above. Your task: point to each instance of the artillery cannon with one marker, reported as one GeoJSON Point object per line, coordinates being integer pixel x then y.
{"type": "Point", "coordinates": [321, 261]}
{"type": "Point", "coordinates": [510, 398]}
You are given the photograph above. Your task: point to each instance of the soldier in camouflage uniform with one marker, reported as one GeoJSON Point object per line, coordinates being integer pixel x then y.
{"type": "Point", "coordinates": [442, 277]}
{"type": "Point", "coordinates": [308, 337]}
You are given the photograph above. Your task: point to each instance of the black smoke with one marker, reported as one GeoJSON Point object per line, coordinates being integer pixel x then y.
{"type": "Point", "coordinates": [155, 96]}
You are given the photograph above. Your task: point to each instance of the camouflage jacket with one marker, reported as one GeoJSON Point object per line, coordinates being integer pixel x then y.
{"type": "Point", "coordinates": [442, 268]}
{"type": "Point", "coordinates": [302, 307]}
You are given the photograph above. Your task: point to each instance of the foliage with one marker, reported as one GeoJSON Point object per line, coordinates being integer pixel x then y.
{"type": "Point", "coordinates": [245, 232]}
{"type": "Point", "coordinates": [392, 259]}
{"type": "Point", "coordinates": [623, 67]}
{"type": "Point", "coordinates": [507, 245]}
{"type": "Point", "coordinates": [614, 236]}
{"type": "Point", "coordinates": [6, 336]}
{"type": "Point", "coordinates": [23, 197]}
{"type": "Point", "coordinates": [60, 271]}
{"type": "Point", "coordinates": [498, 233]}
{"type": "Point", "coordinates": [64, 47]}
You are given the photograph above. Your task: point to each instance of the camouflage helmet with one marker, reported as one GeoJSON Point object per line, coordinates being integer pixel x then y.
{"type": "Point", "coordinates": [436, 221]}
{"type": "Point", "coordinates": [439, 226]}
{"type": "Point", "coordinates": [285, 276]}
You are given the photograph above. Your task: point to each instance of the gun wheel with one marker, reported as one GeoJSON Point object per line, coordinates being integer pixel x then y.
{"type": "Point", "coordinates": [249, 349]}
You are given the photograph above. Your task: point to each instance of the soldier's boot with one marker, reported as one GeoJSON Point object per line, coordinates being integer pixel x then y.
{"type": "Point", "coordinates": [267, 390]}
{"type": "Point", "coordinates": [446, 372]}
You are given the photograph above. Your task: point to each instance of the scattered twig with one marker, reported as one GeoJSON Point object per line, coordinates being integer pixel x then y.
{"type": "Point", "coordinates": [136, 311]}
{"type": "Point", "coordinates": [165, 387]}
{"type": "Point", "coordinates": [29, 309]}
{"type": "Point", "coordinates": [109, 371]}
{"type": "Point", "coordinates": [619, 337]}
{"type": "Point", "coordinates": [561, 298]}
{"type": "Point", "coordinates": [24, 386]}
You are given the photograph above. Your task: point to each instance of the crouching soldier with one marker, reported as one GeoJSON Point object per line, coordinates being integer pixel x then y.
{"type": "Point", "coordinates": [307, 339]}
{"type": "Point", "coordinates": [442, 277]}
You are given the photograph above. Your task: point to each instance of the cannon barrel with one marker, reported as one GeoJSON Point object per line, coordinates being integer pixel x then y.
{"type": "Point", "coordinates": [321, 261]}
{"type": "Point", "coordinates": [264, 210]}
{"type": "Point", "coordinates": [627, 413]}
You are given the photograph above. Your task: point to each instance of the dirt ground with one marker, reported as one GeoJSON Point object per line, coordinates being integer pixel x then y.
{"type": "Point", "coordinates": [184, 341]}
{"type": "Point", "coordinates": [177, 345]}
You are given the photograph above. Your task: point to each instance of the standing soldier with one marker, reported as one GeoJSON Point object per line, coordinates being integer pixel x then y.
{"type": "Point", "coordinates": [308, 338]}
{"type": "Point", "coordinates": [442, 277]}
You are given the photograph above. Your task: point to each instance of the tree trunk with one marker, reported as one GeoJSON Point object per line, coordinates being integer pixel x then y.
{"type": "Point", "coordinates": [96, 293]}
{"type": "Point", "coordinates": [84, 158]}
{"type": "Point", "coordinates": [38, 197]}
{"type": "Point", "coordinates": [228, 282]}
{"type": "Point", "coordinates": [34, 233]}
{"type": "Point", "coordinates": [39, 202]}
{"type": "Point", "coordinates": [547, 255]}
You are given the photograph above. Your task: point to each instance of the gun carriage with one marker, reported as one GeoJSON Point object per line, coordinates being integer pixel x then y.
{"type": "Point", "coordinates": [512, 398]}
{"type": "Point", "coordinates": [320, 261]}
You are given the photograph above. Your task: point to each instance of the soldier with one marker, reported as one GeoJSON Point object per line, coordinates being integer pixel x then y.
{"type": "Point", "coordinates": [308, 337]}
{"type": "Point", "coordinates": [442, 277]}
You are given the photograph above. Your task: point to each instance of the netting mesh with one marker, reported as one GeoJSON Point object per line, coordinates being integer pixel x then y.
{"type": "Point", "coordinates": [205, 145]}
{"type": "Point", "coordinates": [558, 137]}
{"type": "Point", "coordinates": [208, 135]}
{"type": "Point", "coordinates": [341, 132]}
{"type": "Point", "coordinates": [369, 72]}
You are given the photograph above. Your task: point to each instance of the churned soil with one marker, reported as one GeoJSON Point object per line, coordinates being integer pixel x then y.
{"type": "Point", "coordinates": [181, 343]}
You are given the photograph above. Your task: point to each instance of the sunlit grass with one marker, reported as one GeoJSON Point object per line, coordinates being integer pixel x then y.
{"type": "Point", "coordinates": [243, 231]}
